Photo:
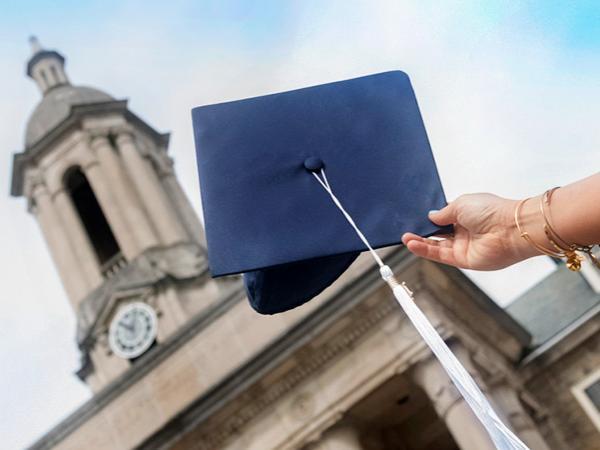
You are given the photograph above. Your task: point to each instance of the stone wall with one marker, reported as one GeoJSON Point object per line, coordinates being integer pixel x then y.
{"type": "Point", "coordinates": [566, 425]}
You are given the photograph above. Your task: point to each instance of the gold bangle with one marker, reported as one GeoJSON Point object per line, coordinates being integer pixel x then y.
{"type": "Point", "coordinates": [562, 249]}
{"type": "Point", "coordinates": [545, 198]}
{"type": "Point", "coordinates": [570, 250]}
{"type": "Point", "coordinates": [573, 259]}
{"type": "Point", "coordinates": [525, 235]}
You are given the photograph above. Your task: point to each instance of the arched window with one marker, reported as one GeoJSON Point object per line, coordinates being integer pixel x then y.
{"type": "Point", "coordinates": [91, 215]}
{"type": "Point", "coordinates": [45, 78]}
{"type": "Point", "coordinates": [54, 74]}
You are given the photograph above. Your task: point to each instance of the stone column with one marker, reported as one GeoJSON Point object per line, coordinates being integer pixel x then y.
{"type": "Point", "coordinates": [178, 197]}
{"type": "Point", "coordinates": [190, 218]}
{"type": "Point", "coordinates": [86, 256]}
{"type": "Point", "coordinates": [517, 418]}
{"type": "Point", "coordinates": [150, 190]}
{"type": "Point", "coordinates": [59, 244]}
{"type": "Point", "coordinates": [466, 429]}
{"type": "Point", "coordinates": [138, 225]}
{"type": "Point", "coordinates": [340, 437]}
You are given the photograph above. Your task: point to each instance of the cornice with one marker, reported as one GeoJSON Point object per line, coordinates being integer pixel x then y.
{"type": "Point", "coordinates": [73, 122]}
{"type": "Point", "coordinates": [585, 328]}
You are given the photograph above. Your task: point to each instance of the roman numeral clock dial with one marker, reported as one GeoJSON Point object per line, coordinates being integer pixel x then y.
{"type": "Point", "coordinates": [132, 330]}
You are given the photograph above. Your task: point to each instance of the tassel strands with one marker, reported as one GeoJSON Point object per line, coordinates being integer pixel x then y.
{"type": "Point", "coordinates": [502, 437]}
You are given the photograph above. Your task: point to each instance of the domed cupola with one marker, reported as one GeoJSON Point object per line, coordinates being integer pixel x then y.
{"type": "Point", "coordinates": [47, 68]}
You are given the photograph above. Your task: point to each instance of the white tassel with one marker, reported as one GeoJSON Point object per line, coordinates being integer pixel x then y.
{"type": "Point", "coordinates": [502, 437]}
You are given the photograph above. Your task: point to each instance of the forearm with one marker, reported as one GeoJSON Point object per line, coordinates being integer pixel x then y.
{"type": "Point", "coordinates": [574, 213]}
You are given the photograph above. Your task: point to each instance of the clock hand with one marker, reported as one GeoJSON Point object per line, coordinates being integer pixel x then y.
{"type": "Point", "coordinates": [127, 327]}
{"type": "Point", "coordinates": [133, 318]}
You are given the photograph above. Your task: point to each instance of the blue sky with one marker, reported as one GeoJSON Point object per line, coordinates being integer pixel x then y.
{"type": "Point", "coordinates": [576, 24]}
{"type": "Point", "coordinates": [509, 90]}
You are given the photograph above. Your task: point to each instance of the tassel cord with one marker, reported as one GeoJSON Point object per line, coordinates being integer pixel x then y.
{"type": "Point", "coordinates": [502, 437]}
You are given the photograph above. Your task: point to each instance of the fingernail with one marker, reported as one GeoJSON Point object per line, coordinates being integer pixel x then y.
{"type": "Point", "coordinates": [433, 211]}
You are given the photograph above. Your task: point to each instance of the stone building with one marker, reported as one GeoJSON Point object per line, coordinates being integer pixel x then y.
{"type": "Point", "coordinates": [177, 360]}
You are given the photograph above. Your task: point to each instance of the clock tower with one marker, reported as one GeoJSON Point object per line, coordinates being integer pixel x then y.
{"type": "Point", "coordinates": [126, 243]}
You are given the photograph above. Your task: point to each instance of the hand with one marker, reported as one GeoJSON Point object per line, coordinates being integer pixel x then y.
{"type": "Point", "coordinates": [485, 236]}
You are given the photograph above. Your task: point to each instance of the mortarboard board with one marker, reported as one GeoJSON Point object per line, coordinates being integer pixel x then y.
{"type": "Point", "coordinates": [265, 215]}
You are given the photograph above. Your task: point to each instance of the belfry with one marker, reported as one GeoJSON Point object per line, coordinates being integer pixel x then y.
{"type": "Point", "coordinates": [120, 230]}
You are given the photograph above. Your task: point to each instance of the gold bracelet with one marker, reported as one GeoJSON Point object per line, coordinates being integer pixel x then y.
{"type": "Point", "coordinates": [570, 250]}
{"type": "Point", "coordinates": [525, 235]}
{"type": "Point", "coordinates": [562, 249]}
{"type": "Point", "coordinates": [548, 229]}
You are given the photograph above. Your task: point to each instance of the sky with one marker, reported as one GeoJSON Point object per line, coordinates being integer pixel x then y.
{"type": "Point", "coordinates": [509, 92]}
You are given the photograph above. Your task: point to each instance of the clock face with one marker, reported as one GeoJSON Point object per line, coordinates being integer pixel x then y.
{"type": "Point", "coordinates": [132, 330]}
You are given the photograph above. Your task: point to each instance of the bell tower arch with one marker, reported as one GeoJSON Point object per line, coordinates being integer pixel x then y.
{"type": "Point", "coordinates": [126, 243]}
{"type": "Point", "coordinates": [90, 213]}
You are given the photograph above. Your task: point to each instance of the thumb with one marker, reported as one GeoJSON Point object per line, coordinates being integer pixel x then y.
{"type": "Point", "coordinates": [445, 216]}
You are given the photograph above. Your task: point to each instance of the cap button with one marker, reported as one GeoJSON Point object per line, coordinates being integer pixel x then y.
{"type": "Point", "coordinates": [313, 164]}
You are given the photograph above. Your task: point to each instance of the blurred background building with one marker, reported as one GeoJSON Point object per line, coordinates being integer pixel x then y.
{"type": "Point", "coordinates": [178, 360]}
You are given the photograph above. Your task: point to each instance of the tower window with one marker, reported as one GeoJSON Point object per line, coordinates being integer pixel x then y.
{"type": "Point", "coordinates": [45, 78]}
{"type": "Point", "coordinates": [54, 74]}
{"type": "Point", "coordinates": [91, 215]}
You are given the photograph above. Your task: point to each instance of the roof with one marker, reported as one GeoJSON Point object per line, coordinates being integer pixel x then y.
{"type": "Point", "coordinates": [56, 106]}
{"type": "Point", "coordinates": [553, 304]}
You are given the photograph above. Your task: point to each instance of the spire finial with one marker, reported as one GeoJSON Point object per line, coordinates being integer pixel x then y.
{"type": "Point", "coordinates": [35, 44]}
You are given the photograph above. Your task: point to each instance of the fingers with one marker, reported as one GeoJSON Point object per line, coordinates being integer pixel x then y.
{"type": "Point", "coordinates": [433, 252]}
{"type": "Point", "coordinates": [445, 216]}
{"type": "Point", "coordinates": [443, 240]}
{"type": "Point", "coordinates": [439, 251]}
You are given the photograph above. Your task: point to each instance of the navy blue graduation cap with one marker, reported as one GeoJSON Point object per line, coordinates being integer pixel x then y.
{"type": "Point", "coordinates": [263, 164]}
{"type": "Point", "coordinates": [267, 217]}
